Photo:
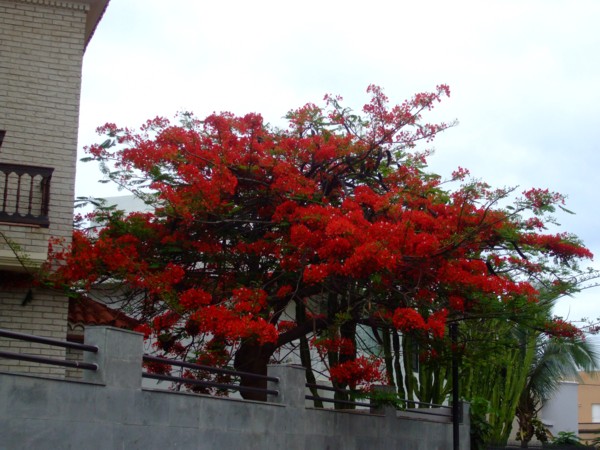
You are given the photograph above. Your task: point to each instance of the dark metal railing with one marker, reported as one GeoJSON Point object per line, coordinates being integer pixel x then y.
{"type": "Point", "coordinates": [25, 194]}
{"type": "Point", "coordinates": [205, 383]}
{"type": "Point", "coordinates": [402, 404]}
{"type": "Point", "coordinates": [429, 409]}
{"type": "Point", "coordinates": [48, 341]}
{"type": "Point", "coordinates": [334, 400]}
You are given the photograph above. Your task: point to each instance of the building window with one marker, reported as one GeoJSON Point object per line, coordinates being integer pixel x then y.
{"type": "Point", "coordinates": [596, 412]}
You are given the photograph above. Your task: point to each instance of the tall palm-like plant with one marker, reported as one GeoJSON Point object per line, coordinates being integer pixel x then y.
{"type": "Point", "coordinates": [555, 360]}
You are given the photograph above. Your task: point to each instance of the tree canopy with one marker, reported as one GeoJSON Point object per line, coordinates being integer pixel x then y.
{"type": "Point", "coordinates": [261, 237]}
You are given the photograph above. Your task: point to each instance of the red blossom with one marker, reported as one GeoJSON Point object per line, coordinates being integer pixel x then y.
{"type": "Point", "coordinates": [284, 290]}
{"type": "Point", "coordinates": [560, 245]}
{"type": "Point", "coordinates": [436, 323]}
{"type": "Point", "coordinates": [559, 328]}
{"type": "Point", "coordinates": [360, 371]}
{"type": "Point", "coordinates": [285, 325]}
{"type": "Point", "coordinates": [343, 346]}
{"type": "Point", "coordinates": [158, 368]}
{"type": "Point", "coordinates": [407, 320]}
{"type": "Point", "coordinates": [456, 303]}
{"type": "Point", "coordinates": [165, 321]}
{"type": "Point", "coordinates": [335, 217]}
{"type": "Point", "coordinates": [143, 328]}
{"type": "Point", "coordinates": [315, 273]}
{"type": "Point", "coordinates": [194, 298]}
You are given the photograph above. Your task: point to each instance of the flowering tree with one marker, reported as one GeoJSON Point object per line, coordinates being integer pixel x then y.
{"type": "Point", "coordinates": [262, 237]}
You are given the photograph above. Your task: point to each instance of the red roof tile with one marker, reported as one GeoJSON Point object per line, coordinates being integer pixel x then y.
{"type": "Point", "coordinates": [89, 312]}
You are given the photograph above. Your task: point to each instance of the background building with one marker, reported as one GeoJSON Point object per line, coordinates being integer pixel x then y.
{"type": "Point", "coordinates": [589, 406]}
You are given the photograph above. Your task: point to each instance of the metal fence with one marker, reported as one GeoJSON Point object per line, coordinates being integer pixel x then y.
{"type": "Point", "coordinates": [51, 342]}
{"type": "Point", "coordinates": [353, 399]}
{"type": "Point", "coordinates": [201, 379]}
{"type": "Point", "coordinates": [196, 371]}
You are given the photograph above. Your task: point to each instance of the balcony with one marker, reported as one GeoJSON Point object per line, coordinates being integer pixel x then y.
{"type": "Point", "coordinates": [25, 194]}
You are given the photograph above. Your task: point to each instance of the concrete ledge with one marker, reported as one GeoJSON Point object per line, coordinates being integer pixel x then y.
{"type": "Point", "coordinates": [9, 261]}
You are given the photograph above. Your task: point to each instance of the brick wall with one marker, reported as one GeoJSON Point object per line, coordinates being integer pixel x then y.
{"type": "Point", "coordinates": [41, 50]}
{"type": "Point", "coordinates": [45, 315]}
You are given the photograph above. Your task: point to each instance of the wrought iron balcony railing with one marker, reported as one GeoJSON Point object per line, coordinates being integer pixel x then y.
{"type": "Point", "coordinates": [25, 194]}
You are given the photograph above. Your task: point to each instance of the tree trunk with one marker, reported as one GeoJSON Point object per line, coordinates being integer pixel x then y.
{"type": "Point", "coordinates": [253, 358]}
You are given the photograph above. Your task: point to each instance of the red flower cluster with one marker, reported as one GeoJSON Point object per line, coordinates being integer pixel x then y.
{"type": "Point", "coordinates": [343, 346]}
{"type": "Point", "coordinates": [408, 320]}
{"type": "Point", "coordinates": [360, 371]}
{"type": "Point", "coordinates": [194, 298]}
{"type": "Point", "coordinates": [335, 219]}
{"type": "Point", "coordinates": [563, 245]}
{"type": "Point", "coordinates": [559, 328]}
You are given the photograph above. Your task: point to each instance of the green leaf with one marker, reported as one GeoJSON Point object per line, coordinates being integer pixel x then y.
{"type": "Point", "coordinates": [568, 211]}
{"type": "Point", "coordinates": [107, 143]}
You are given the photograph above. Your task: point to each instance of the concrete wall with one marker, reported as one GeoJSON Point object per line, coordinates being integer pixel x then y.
{"type": "Point", "coordinates": [110, 410]}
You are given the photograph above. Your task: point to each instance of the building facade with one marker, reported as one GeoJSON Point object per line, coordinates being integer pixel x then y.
{"type": "Point", "coordinates": [42, 43]}
{"type": "Point", "coordinates": [589, 406]}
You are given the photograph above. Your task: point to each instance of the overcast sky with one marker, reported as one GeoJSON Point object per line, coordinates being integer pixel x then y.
{"type": "Point", "coordinates": [524, 77]}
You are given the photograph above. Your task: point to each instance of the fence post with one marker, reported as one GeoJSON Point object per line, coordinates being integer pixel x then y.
{"type": "Point", "coordinates": [465, 424]}
{"type": "Point", "coordinates": [291, 385]}
{"type": "Point", "coordinates": [119, 357]}
{"type": "Point", "coordinates": [381, 403]}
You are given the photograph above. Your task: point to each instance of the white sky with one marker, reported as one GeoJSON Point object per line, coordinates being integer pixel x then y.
{"type": "Point", "coordinates": [524, 76]}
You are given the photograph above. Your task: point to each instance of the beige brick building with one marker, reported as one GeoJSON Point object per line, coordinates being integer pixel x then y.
{"type": "Point", "coordinates": [588, 402]}
{"type": "Point", "coordinates": [42, 43]}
